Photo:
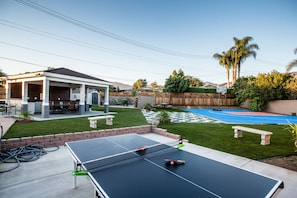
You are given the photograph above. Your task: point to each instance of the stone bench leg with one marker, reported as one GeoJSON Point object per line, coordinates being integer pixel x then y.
{"type": "Point", "coordinates": [237, 133]}
{"type": "Point", "coordinates": [109, 121]}
{"type": "Point", "coordinates": [265, 139]}
{"type": "Point", "coordinates": [93, 123]}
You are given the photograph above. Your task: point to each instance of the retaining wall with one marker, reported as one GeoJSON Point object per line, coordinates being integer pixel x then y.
{"type": "Point", "coordinates": [60, 139]}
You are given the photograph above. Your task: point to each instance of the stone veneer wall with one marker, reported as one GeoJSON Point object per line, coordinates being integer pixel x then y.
{"type": "Point", "coordinates": [60, 139]}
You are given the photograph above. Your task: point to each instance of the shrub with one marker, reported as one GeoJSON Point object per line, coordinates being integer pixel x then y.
{"type": "Point", "coordinates": [148, 107]}
{"type": "Point", "coordinates": [163, 117]}
{"type": "Point", "coordinates": [293, 129]}
{"type": "Point", "coordinates": [26, 115]}
{"type": "Point", "coordinates": [125, 102]}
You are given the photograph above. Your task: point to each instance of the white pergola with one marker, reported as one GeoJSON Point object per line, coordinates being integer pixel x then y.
{"type": "Point", "coordinates": [60, 77]}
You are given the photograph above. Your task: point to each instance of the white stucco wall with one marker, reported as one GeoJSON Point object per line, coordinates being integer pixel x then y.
{"type": "Point", "coordinates": [287, 107]}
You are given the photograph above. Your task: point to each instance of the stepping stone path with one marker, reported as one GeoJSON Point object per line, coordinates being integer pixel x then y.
{"type": "Point", "coordinates": [179, 117]}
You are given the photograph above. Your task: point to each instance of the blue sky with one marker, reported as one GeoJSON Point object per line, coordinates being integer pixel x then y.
{"type": "Point", "coordinates": [147, 39]}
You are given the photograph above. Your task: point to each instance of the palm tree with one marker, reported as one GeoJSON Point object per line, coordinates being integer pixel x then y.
{"type": "Point", "coordinates": [233, 66]}
{"type": "Point", "coordinates": [293, 63]}
{"type": "Point", "coordinates": [225, 60]}
{"type": "Point", "coordinates": [241, 51]}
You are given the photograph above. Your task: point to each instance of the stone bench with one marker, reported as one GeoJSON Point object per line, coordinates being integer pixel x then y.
{"type": "Point", "coordinates": [265, 135]}
{"type": "Point", "coordinates": [93, 120]}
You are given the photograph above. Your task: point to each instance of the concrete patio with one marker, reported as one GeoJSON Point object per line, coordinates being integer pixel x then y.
{"type": "Point", "coordinates": [50, 176]}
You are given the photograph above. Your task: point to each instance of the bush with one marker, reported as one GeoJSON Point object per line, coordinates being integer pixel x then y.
{"type": "Point", "coordinates": [201, 90]}
{"type": "Point", "coordinates": [148, 107]}
{"type": "Point", "coordinates": [125, 102]}
{"type": "Point", "coordinates": [26, 115]}
{"type": "Point", "coordinates": [257, 104]}
{"type": "Point", "coordinates": [163, 117]}
{"type": "Point", "coordinates": [263, 88]}
{"type": "Point", "coordinates": [293, 129]}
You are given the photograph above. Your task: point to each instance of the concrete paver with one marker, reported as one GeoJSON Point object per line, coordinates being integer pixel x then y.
{"type": "Point", "coordinates": [50, 176]}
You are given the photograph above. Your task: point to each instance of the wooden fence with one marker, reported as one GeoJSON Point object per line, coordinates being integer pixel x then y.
{"type": "Point", "coordinates": [194, 99]}
{"type": "Point", "coordinates": [178, 99]}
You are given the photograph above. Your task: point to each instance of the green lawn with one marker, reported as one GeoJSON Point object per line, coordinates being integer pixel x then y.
{"type": "Point", "coordinates": [216, 136]}
{"type": "Point", "coordinates": [123, 118]}
{"type": "Point", "coordinates": [220, 137]}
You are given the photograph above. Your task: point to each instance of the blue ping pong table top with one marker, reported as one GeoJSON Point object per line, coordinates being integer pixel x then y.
{"type": "Point", "coordinates": [149, 176]}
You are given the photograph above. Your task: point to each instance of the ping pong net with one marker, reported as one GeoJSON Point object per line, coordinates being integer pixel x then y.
{"type": "Point", "coordinates": [123, 157]}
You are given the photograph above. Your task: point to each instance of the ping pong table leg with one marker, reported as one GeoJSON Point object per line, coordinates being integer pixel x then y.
{"type": "Point", "coordinates": [96, 195]}
{"type": "Point", "coordinates": [74, 177]}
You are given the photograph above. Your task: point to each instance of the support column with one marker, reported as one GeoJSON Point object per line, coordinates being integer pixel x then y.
{"type": "Point", "coordinates": [45, 110]}
{"type": "Point", "coordinates": [87, 99]}
{"type": "Point", "coordinates": [8, 95]}
{"type": "Point", "coordinates": [82, 99]}
{"type": "Point", "coordinates": [106, 100]}
{"type": "Point", "coordinates": [8, 91]}
{"type": "Point", "coordinates": [24, 103]}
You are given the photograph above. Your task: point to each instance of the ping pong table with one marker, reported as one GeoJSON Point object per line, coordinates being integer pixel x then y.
{"type": "Point", "coordinates": [134, 166]}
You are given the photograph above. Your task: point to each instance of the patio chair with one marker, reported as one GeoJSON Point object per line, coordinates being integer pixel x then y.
{"type": "Point", "coordinates": [2, 110]}
{"type": "Point", "coordinates": [71, 106]}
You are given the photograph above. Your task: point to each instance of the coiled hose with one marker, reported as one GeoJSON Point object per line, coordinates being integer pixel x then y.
{"type": "Point", "coordinates": [27, 153]}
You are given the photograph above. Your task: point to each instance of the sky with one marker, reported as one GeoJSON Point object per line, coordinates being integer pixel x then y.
{"type": "Point", "coordinates": [126, 40]}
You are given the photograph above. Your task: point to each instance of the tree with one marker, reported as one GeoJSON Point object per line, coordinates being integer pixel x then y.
{"type": "Point", "coordinates": [241, 51]}
{"type": "Point", "coordinates": [291, 87]}
{"type": "Point", "coordinates": [177, 82]}
{"type": "Point", "coordinates": [245, 89]}
{"type": "Point", "coordinates": [242, 89]}
{"type": "Point", "coordinates": [154, 85]}
{"type": "Point", "coordinates": [273, 84]}
{"type": "Point", "coordinates": [225, 59]}
{"type": "Point", "coordinates": [235, 56]}
{"type": "Point", "coordinates": [293, 63]}
{"type": "Point", "coordinates": [194, 82]}
{"type": "Point", "coordinates": [140, 83]}
{"type": "Point", "coordinates": [264, 88]}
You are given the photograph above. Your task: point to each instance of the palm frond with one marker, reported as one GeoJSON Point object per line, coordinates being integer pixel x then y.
{"type": "Point", "coordinates": [291, 65]}
{"type": "Point", "coordinates": [217, 56]}
{"type": "Point", "coordinates": [253, 47]}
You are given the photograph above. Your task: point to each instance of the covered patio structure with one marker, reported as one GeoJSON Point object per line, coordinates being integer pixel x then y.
{"type": "Point", "coordinates": [57, 90]}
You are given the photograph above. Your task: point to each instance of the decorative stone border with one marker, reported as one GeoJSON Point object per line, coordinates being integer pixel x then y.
{"type": "Point", "coordinates": [60, 139]}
